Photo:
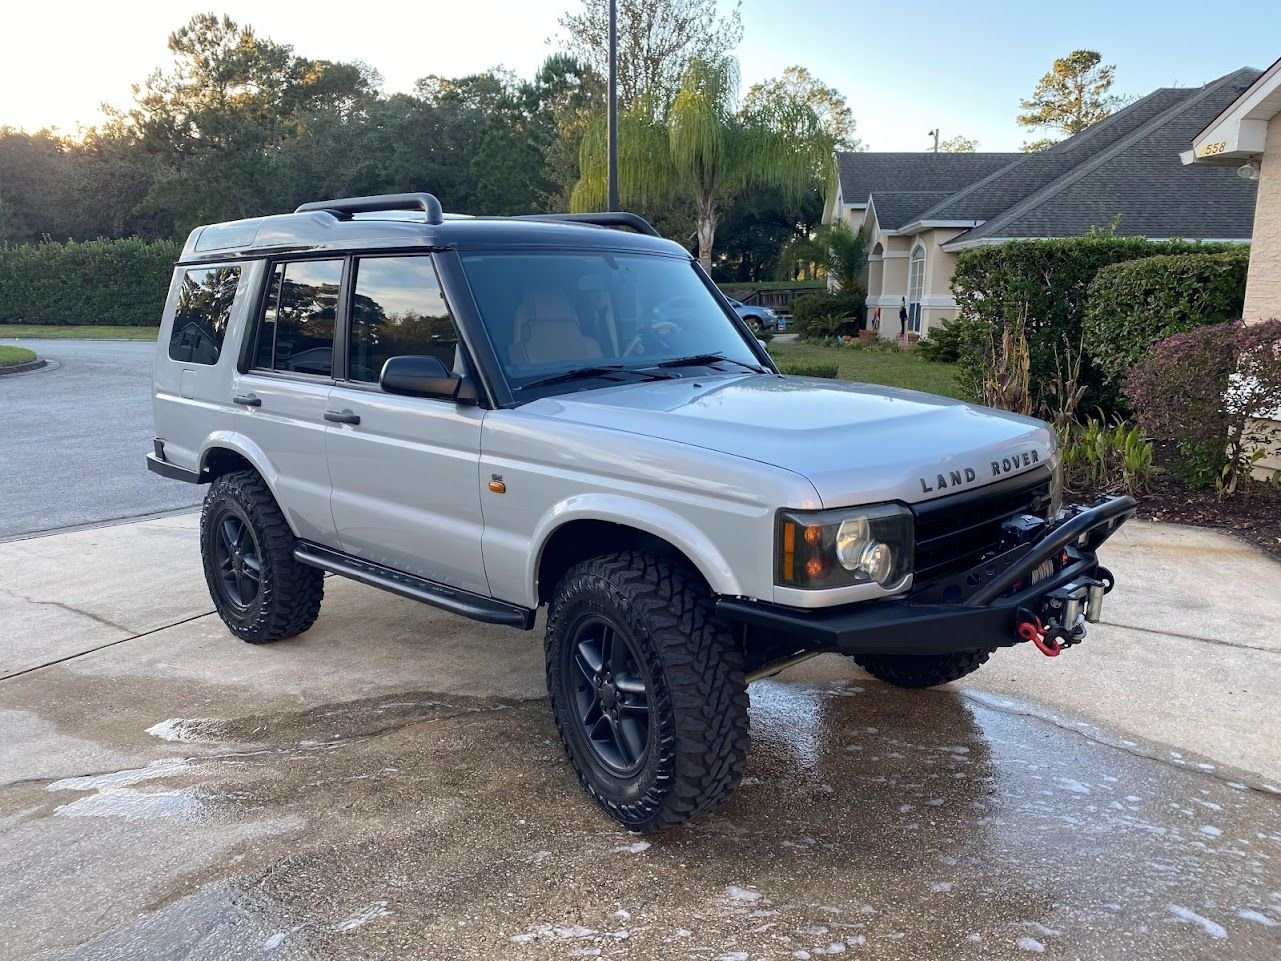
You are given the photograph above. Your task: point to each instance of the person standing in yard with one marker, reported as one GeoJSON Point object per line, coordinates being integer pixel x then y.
{"type": "Point", "coordinates": [876, 320]}
{"type": "Point", "coordinates": [902, 320]}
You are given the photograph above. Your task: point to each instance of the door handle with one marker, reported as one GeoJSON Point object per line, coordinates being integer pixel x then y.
{"type": "Point", "coordinates": [342, 417]}
{"type": "Point", "coordinates": [247, 400]}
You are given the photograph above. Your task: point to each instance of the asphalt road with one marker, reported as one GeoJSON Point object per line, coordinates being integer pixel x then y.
{"type": "Point", "coordinates": [74, 437]}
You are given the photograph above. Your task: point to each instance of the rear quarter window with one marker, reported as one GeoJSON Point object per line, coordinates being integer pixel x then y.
{"type": "Point", "coordinates": [202, 313]}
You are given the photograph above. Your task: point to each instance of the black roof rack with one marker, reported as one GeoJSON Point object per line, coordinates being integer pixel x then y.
{"type": "Point", "coordinates": [615, 218]}
{"type": "Point", "coordinates": [344, 207]}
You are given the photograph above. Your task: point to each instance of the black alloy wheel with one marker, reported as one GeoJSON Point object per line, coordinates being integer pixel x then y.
{"type": "Point", "coordinates": [647, 689]}
{"type": "Point", "coordinates": [610, 693]}
{"type": "Point", "coordinates": [261, 591]}
{"type": "Point", "coordinates": [238, 560]}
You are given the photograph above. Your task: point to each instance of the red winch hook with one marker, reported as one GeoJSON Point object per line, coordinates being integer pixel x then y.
{"type": "Point", "coordinates": [1034, 631]}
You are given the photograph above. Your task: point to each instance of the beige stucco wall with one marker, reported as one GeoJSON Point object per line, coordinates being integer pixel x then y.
{"type": "Point", "coordinates": [1263, 282]}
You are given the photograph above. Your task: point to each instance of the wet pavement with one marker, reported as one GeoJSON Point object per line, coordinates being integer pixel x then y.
{"type": "Point", "coordinates": [390, 786]}
{"type": "Point", "coordinates": [419, 826]}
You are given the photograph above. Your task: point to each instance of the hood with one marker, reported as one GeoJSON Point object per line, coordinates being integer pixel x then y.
{"type": "Point", "coordinates": [857, 443]}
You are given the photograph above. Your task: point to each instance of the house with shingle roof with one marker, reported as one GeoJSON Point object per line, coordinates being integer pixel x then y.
{"type": "Point", "coordinates": [919, 210]}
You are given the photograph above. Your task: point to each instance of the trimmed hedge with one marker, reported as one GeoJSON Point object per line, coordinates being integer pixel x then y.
{"type": "Point", "coordinates": [1041, 287]}
{"type": "Point", "coordinates": [825, 314]}
{"type": "Point", "coordinates": [1132, 305]}
{"type": "Point", "coordinates": [114, 283]}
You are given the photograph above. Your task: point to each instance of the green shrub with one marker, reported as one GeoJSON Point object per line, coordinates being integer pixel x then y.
{"type": "Point", "coordinates": [114, 283]}
{"type": "Point", "coordinates": [1116, 458]}
{"type": "Point", "coordinates": [1028, 299]}
{"type": "Point", "coordinates": [809, 370]}
{"type": "Point", "coordinates": [1132, 305]}
{"type": "Point", "coordinates": [826, 314]}
{"type": "Point", "coordinates": [1209, 391]}
{"type": "Point", "coordinates": [944, 343]}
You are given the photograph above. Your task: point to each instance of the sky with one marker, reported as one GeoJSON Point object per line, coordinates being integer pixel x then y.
{"type": "Point", "coordinates": [905, 68]}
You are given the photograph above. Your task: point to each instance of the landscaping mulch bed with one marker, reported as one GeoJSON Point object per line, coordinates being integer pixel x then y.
{"type": "Point", "coordinates": [1253, 513]}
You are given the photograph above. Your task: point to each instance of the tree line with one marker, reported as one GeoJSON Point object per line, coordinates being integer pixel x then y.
{"type": "Point", "coordinates": [237, 125]}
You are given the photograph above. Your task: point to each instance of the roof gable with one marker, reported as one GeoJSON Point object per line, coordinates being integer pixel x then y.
{"type": "Point", "coordinates": [862, 173]}
{"type": "Point", "coordinates": [1136, 179]}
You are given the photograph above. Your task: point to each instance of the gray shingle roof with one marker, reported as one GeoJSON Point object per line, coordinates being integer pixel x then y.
{"type": "Point", "coordinates": [894, 208]}
{"type": "Point", "coordinates": [1138, 178]}
{"type": "Point", "coordinates": [864, 173]}
{"type": "Point", "coordinates": [1126, 165]}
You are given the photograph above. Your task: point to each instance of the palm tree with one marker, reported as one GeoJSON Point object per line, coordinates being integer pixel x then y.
{"type": "Point", "coordinates": [836, 247]}
{"type": "Point", "coordinates": [703, 148]}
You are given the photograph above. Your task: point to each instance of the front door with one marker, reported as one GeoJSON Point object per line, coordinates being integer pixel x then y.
{"type": "Point", "coordinates": [405, 470]}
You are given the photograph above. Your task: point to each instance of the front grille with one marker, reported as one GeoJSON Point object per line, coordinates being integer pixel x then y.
{"type": "Point", "coordinates": [954, 533]}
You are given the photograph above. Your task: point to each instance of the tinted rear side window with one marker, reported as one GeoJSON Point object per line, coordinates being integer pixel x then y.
{"type": "Point", "coordinates": [202, 313]}
{"type": "Point", "coordinates": [296, 332]}
{"type": "Point", "coordinates": [398, 309]}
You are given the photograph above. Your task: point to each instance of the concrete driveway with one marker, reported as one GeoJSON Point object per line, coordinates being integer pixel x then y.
{"type": "Point", "coordinates": [389, 785]}
{"type": "Point", "coordinates": [74, 437]}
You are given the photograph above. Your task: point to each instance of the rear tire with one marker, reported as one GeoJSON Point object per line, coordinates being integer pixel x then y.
{"type": "Point", "coordinates": [922, 670]}
{"type": "Point", "coordinates": [647, 689]}
{"type": "Point", "coordinates": [261, 593]}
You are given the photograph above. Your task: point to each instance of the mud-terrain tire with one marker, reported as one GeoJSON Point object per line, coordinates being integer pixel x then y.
{"type": "Point", "coordinates": [261, 593]}
{"type": "Point", "coordinates": [669, 740]}
{"type": "Point", "coordinates": [922, 670]}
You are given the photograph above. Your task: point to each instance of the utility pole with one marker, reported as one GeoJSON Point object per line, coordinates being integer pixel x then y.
{"type": "Point", "coordinates": [612, 121]}
{"type": "Point", "coordinates": [935, 134]}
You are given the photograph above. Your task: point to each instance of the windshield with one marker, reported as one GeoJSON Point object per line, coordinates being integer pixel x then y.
{"type": "Point", "coordinates": [549, 313]}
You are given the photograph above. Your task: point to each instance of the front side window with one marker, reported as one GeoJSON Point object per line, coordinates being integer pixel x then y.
{"type": "Point", "coordinates": [202, 313]}
{"type": "Point", "coordinates": [296, 332]}
{"type": "Point", "coordinates": [548, 313]}
{"type": "Point", "coordinates": [397, 309]}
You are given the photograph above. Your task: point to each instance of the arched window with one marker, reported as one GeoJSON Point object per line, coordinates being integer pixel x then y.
{"type": "Point", "coordinates": [915, 288]}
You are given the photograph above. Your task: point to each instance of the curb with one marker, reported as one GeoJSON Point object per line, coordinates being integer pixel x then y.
{"type": "Point", "coordinates": [23, 368]}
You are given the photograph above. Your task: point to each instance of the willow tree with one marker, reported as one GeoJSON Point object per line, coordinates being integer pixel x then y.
{"type": "Point", "coordinates": [704, 148]}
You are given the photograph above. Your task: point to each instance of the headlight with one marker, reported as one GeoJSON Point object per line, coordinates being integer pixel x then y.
{"type": "Point", "coordinates": [819, 550]}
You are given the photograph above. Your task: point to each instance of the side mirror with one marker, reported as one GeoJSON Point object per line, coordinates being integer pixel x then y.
{"type": "Point", "coordinates": [424, 376]}
{"type": "Point", "coordinates": [764, 345]}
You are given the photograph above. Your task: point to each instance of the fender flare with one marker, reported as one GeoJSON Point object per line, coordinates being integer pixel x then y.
{"type": "Point", "coordinates": [239, 444]}
{"type": "Point", "coordinates": [642, 516]}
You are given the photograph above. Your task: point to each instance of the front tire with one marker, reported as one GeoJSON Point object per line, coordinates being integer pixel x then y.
{"type": "Point", "coordinates": [261, 593]}
{"type": "Point", "coordinates": [647, 689]}
{"type": "Point", "coordinates": [922, 670]}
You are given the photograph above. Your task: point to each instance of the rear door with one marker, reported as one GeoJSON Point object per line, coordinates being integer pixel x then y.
{"type": "Point", "coordinates": [405, 470]}
{"type": "Point", "coordinates": [284, 389]}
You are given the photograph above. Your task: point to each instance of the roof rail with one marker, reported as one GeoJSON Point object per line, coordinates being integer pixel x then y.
{"type": "Point", "coordinates": [344, 207]}
{"type": "Point", "coordinates": [613, 218]}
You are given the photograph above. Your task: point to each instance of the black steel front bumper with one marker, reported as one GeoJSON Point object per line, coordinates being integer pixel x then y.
{"type": "Point", "coordinates": [978, 608]}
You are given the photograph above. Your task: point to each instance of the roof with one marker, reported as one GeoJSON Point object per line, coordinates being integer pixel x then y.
{"type": "Point", "coordinates": [894, 208]}
{"type": "Point", "coordinates": [1240, 130]}
{"type": "Point", "coordinates": [1124, 169]}
{"type": "Point", "coordinates": [862, 173]}
{"type": "Point", "coordinates": [321, 230]}
{"type": "Point", "coordinates": [1132, 176]}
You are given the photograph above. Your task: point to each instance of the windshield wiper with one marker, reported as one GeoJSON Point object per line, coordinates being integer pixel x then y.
{"type": "Point", "coordinates": [704, 360]}
{"type": "Point", "coordinates": [584, 373]}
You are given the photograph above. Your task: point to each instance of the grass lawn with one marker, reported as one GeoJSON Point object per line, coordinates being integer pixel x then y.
{"type": "Point", "coordinates": [893, 369]}
{"type": "Point", "coordinates": [74, 332]}
{"type": "Point", "coordinates": [12, 356]}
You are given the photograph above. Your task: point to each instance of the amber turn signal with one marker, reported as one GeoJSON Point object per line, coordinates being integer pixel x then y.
{"type": "Point", "coordinates": [497, 487]}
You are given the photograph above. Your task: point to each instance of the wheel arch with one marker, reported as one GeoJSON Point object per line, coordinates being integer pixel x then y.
{"type": "Point", "coordinates": [590, 526]}
{"type": "Point", "coordinates": [226, 451]}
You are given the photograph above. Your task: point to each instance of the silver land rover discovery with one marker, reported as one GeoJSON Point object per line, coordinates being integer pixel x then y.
{"type": "Point", "coordinates": [493, 414]}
